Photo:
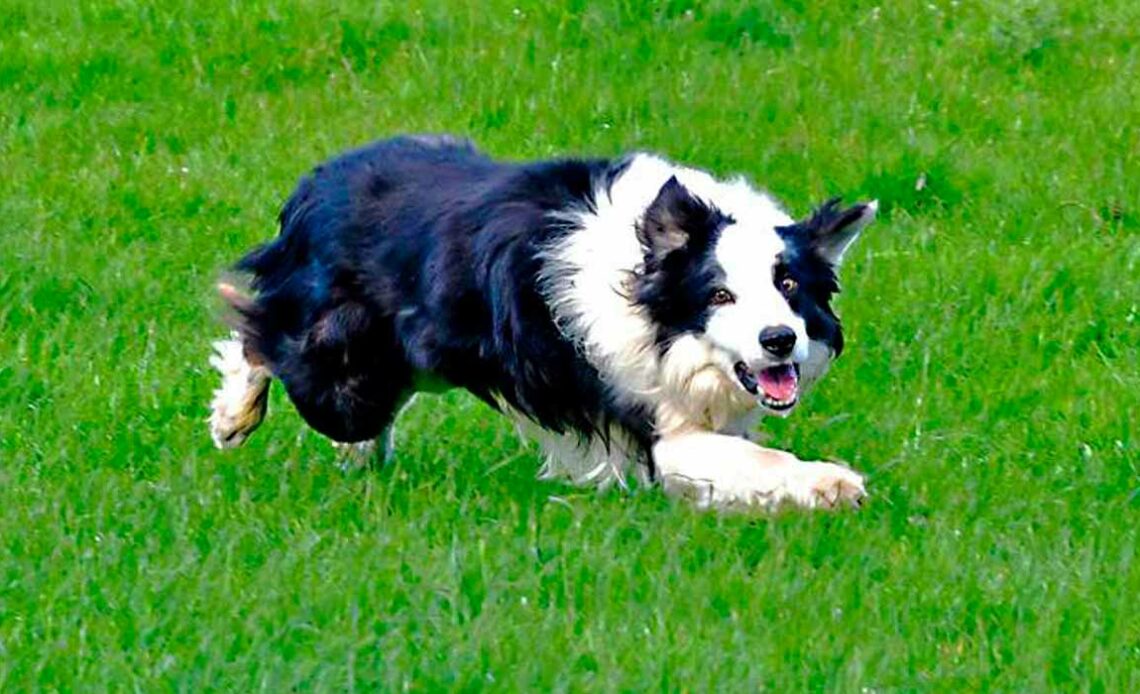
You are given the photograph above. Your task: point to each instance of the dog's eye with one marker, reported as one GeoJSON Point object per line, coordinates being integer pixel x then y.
{"type": "Point", "coordinates": [721, 296]}
{"type": "Point", "coordinates": [784, 280]}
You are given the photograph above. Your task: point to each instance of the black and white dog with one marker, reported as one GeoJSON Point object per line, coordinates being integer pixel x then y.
{"type": "Point", "coordinates": [634, 314]}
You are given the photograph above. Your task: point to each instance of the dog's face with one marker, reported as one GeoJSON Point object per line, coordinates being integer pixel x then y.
{"type": "Point", "coordinates": [755, 295]}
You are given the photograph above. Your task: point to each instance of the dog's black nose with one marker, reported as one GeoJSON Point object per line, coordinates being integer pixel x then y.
{"type": "Point", "coordinates": [778, 340]}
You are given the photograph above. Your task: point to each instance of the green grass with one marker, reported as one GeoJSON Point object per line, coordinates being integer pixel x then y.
{"type": "Point", "coordinates": [989, 389]}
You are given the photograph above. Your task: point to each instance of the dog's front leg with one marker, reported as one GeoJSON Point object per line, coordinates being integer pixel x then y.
{"type": "Point", "coordinates": [719, 471]}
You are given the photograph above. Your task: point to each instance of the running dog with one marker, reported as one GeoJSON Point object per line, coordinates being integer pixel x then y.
{"type": "Point", "coordinates": [635, 315]}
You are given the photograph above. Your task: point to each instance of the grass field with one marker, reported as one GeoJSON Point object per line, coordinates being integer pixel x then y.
{"type": "Point", "coordinates": [989, 389]}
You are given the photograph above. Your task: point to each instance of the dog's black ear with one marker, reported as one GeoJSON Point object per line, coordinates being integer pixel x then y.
{"type": "Point", "coordinates": [831, 229]}
{"type": "Point", "coordinates": [677, 219]}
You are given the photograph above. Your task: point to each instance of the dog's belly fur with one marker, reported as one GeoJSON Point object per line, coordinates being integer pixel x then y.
{"type": "Point", "coordinates": [419, 260]}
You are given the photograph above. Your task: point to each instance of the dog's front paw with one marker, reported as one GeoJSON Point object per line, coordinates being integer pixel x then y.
{"type": "Point", "coordinates": [767, 487]}
{"type": "Point", "coordinates": [824, 485]}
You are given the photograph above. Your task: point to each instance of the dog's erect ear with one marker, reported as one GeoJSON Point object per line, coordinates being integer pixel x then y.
{"type": "Point", "coordinates": [831, 230]}
{"type": "Point", "coordinates": [676, 219]}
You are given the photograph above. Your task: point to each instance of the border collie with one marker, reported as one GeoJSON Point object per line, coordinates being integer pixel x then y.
{"type": "Point", "coordinates": [634, 315]}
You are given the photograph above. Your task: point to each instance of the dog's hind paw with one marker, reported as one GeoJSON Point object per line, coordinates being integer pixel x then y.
{"type": "Point", "coordinates": [239, 404]}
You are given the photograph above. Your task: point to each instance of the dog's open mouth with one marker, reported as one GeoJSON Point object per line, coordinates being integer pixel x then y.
{"type": "Point", "coordinates": [777, 386]}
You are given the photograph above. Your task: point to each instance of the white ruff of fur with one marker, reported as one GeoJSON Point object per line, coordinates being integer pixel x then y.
{"type": "Point", "coordinates": [696, 393]}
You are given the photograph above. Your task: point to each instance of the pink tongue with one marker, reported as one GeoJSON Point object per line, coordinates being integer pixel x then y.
{"type": "Point", "coordinates": [779, 382]}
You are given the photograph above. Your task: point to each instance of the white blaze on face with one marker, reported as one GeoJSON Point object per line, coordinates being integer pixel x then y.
{"type": "Point", "coordinates": [748, 254]}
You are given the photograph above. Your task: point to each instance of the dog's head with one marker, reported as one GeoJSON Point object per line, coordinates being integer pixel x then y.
{"type": "Point", "coordinates": [746, 293]}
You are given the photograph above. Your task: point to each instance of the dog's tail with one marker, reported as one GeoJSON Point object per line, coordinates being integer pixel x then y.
{"type": "Point", "coordinates": [240, 402]}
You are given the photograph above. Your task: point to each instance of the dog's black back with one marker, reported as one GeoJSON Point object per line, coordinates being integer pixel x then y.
{"type": "Point", "coordinates": [419, 255]}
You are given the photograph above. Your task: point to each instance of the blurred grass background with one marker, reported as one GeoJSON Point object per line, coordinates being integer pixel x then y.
{"type": "Point", "coordinates": [989, 388]}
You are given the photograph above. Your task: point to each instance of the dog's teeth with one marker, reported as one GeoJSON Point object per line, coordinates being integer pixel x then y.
{"type": "Point", "coordinates": [777, 404]}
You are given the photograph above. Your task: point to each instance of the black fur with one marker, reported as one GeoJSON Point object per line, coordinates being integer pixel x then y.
{"type": "Point", "coordinates": [679, 273]}
{"type": "Point", "coordinates": [809, 243]}
{"type": "Point", "coordinates": [421, 255]}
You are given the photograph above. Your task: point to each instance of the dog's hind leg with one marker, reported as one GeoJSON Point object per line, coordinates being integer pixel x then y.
{"type": "Point", "coordinates": [345, 374]}
{"type": "Point", "coordinates": [239, 404]}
